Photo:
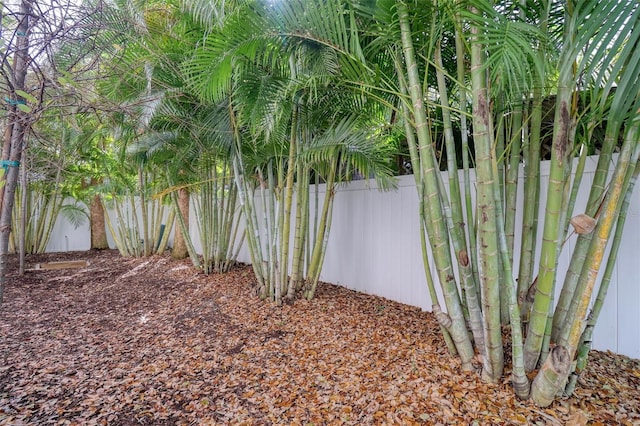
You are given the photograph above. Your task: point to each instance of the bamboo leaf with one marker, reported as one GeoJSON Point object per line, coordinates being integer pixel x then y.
{"type": "Point", "coordinates": [24, 108]}
{"type": "Point", "coordinates": [27, 96]}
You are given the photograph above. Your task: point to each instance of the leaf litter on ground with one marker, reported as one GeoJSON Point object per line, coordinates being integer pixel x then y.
{"type": "Point", "coordinates": [150, 341]}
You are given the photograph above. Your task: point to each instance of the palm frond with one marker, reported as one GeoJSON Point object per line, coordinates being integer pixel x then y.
{"type": "Point", "coordinates": [262, 33]}
{"type": "Point", "coordinates": [266, 100]}
{"type": "Point", "coordinates": [211, 13]}
{"type": "Point", "coordinates": [209, 72]}
{"type": "Point", "coordinates": [511, 44]}
{"type": "Point", "coordinates": [360, 151]}
{"type": "Point", "coordinates": [75, 213]}
{"type": "Point", "coordinates": [614, 63]}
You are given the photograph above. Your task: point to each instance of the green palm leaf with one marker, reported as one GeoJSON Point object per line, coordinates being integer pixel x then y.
{"type": "Point", "coordinates": [359, 150]}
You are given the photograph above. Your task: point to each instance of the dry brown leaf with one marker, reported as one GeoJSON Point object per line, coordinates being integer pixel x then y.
{"type": "Point", "coordinates": [577, 418]}
{"type": "Point", "coordinates": [583, 224]}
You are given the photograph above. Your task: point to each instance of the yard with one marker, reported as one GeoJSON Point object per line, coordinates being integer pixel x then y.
{"type": "Point", "coordinates": [150, 341]}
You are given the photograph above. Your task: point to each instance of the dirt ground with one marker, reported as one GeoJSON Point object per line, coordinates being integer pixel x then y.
{"type": "Point", "coordinates": [151, 341]}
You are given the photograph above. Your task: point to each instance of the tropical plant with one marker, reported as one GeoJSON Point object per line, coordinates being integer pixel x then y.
{"type": "Point", "coordinates": [493, 64]}
{"type": "Point", "coordinates": [288, 122]}
{"type": "Point", "coordinates": [45, 190]}
{"type": "Point", "coordinates": [196, 166]}
{"type": "Point", "coordinates": [197, 170]}
{"type": "Point", "coordinates": [495, 39]}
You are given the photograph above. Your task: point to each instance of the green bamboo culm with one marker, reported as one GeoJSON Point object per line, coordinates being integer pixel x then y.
{"type": "Point", "coordinates": [419, 182]}
{"type": "Point", "coordinates": [553, 221]}
{"type": "Point", "coordinates": [554, 373]}
{"type": "Point", "coordinates": [486, 162]}
{"type": "Point", "coordinates": [436, 226]}
{"type": "Point", "coordinates": [592, 319]}
{"type": "Point", "coordinates": [469, 296]}
{"type": "Point", "coordinates": [217, 217]}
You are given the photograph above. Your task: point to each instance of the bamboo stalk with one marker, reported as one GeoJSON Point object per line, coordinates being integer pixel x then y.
{"type": "Point", "coordinates": [552, 226]}
{"type": "Point", "coordinates": [302, 199]}
{"type": "Point", "coordinates": [596, 195]}
{"type": "Point", "coordinates": [143, 213]}
{"type": "Point", "coordinates": [519, 379]}
{"type": "Point", "coordinates": [611, 208]}
{"type": "Point", "coordinates": [511, 189]}
{"type": "Point", "coordinates": [246, 204]}
{"type": "Point", "coordinates": [112, 230]}
{"type": "Point", "coordinates": [320, 244]}
{"type": "Point", "coordinates": [554, 373]}
{"type": "Point", "coordinates": [417, 175]}
{"type": "Point", "coordinates": [487, 212]}
{"type": "Point", "coordinates": [592, 319]}
{"type": "Point", "coordinates": [455, 218]}
{"type": "Point", "coordinates": [436, 226]}
{"type": "Point", "coordinates": [164, 242]}
{"type": "Point", "coordinates": [134, 231]}
{"type": "Point", "coordinates": [286, 208]}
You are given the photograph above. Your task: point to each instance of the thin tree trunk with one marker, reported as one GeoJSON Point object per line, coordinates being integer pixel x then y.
{"type": "Point", "coordinates": [18, 119]}
{"type": "Point", "coordinates": [9, 197]}
{"type": "Point", "coordinates": [6, 145]}
{"type": "Point", "coordinates": [195, 260]}
{"type": "Point", "coordinates": [23, 213]}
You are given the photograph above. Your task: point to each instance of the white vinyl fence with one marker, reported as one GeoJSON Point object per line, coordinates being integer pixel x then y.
{"type": "Point", "coordinates": [374, 247]}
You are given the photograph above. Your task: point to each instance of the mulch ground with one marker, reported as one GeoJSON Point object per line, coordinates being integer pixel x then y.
{"type": "Point", "coordinates": [152, 342]}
